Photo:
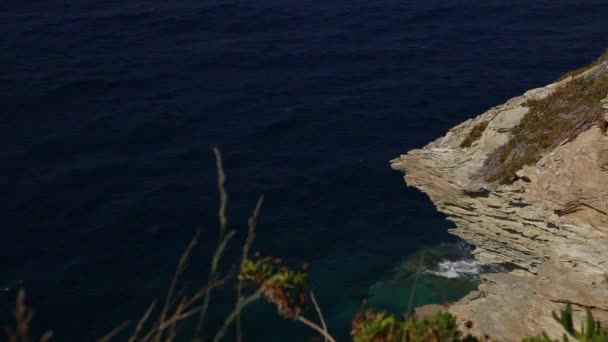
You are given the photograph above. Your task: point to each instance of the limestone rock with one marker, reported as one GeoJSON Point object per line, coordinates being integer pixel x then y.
{"type": "Point", "coordinates": [551, 223]}
{"type": "Point", "coordinates": [507, 119]}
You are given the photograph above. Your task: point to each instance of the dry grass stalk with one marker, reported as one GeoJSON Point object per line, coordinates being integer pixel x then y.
{"type": "Point", "coordinates": [315, 327]}
{"type": "Point", "coordinates": [236, 312]}
{"type": "Point", "coordinates": [174, 309]}
{"type": "Point", "coordinates": [180, 269]}
{"type": "Point", "coordinates": [319, 313]}
{"type": "Point", "coordinates": [165, 329]}
{"type": "Point", "coordinates": [114, 332]}
{"type": "Point", "coordinates": [224, 238]}
{"type": "Point", "coordinates": [142, 321]}
{"type": "Point", "coordinates": [23, 320]}
{"type": "Point", "coordinates": [252, 223]}
{"type": "Point", "coordinates": [221, 182]}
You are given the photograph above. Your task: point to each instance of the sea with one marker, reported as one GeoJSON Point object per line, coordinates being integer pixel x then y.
{"type": "Point", "coordinates": [110, 111]}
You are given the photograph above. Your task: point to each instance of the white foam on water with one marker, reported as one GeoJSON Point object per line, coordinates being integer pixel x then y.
{"type": "Point", "coordinates": [464, 268]}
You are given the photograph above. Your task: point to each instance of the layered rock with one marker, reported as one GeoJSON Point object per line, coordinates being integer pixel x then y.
{"type": "Point", "coordinates": [550, 225]}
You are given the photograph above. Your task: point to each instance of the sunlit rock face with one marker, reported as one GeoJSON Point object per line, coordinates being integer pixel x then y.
{"type": "Point", "coordinates": [550, 224]}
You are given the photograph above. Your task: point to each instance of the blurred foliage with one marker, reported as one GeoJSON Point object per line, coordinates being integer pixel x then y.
{"type": "Point", "coordinates": [559, 117]}
{"type": "Point", "coordinates": [590, 331]}
{"type": "Point", "coordinates": [370, 326]}
{"type": "Point", "coordinates": [279, 285]}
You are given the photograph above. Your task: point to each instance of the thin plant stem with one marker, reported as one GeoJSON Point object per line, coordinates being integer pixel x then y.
{"type": "Point", "coordinates": [142, 321]}
{"type": "Point", "coordinates": [223, 239]}
{"type": "Point", "coordinates": [185, 309]}
{"type": "Point", "coordinates": [319, 313]}
{"type": "Point", "coordinates": [207, 298]}
{"type": "Point", "coordinates": [221, 182]}
{"type": "Point", "coordinates": [252, 223]}
{"type": "Point", "coordinates": [232, 316]}
{"type": "Point", "coordinates": [413, 290]}
{"type": "Point", "coordinates": [23, 320]}
{"type": "Point", "coordinates": [315, 327]}
{"type": "Point", "coordinates": [183, 260]}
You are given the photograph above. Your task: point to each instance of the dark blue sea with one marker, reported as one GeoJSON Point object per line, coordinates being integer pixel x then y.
{"type": "Point", "coordinates": [110, 109]}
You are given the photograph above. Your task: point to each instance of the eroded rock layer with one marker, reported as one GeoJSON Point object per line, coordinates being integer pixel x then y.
{"type": "Point", "coordinates": [550, 224]}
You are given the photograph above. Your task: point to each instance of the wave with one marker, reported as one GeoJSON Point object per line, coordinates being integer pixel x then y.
{"type": "Point", "coordinates": [463, 268]}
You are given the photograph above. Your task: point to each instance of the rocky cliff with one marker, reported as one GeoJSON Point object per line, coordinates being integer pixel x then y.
{"type": "Point", "coordinates": [548, 221]}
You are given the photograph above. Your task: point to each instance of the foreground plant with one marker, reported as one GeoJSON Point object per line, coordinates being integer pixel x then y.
{"type": "Point", "coordinates": [285, 288]}
{"type": "Point", "coordinates": [591, 330]}
{"type": "Point", "coordinates": [23, 320]}
{"type": "Point", "coordinates": [370, 326]}
{"type": "Point", "coordinates": [571, 109]}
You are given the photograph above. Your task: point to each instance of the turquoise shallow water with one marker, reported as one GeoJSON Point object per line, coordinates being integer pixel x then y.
{"type": "Point", "coordinates": [438, 274]}
{"type": "Point", "coordinates": [110, 110]}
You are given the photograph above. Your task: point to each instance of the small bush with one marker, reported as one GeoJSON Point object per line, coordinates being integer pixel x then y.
{"type": "Point", "coordinates": [474, 134]}
{"type": "Point", "coordinates": [568, 111]}
{"type": "Point", "coordinates": [369, 326]}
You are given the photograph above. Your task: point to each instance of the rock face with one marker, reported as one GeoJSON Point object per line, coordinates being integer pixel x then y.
{"type": "Point", "coordinates": [550, 225]}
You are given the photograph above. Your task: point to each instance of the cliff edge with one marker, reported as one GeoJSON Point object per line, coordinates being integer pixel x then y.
{"type": "Point", "coordinates": [526, 183]}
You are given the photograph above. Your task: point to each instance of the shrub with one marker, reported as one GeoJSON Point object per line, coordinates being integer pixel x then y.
{"type": "Point", "coordinates": [591, 330]}
{"type": "Point", "coordinates": [369, 326]}
{"type": "Point", "coordinates": [474, 134]}
{"type": "Point", "coordinates": [568, 111]}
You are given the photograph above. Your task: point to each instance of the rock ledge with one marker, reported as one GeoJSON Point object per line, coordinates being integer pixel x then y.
{"type": "Point", "coordinates": [551, 224]}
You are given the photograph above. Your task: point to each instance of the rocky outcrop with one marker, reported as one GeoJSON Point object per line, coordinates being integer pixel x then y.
{"type": "Point", "coordinates": [550, 224]}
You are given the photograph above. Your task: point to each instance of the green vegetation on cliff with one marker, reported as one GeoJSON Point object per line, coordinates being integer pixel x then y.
{"type": "Point", "coordinates": [559, 117]}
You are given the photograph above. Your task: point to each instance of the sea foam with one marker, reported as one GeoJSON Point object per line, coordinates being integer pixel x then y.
{"type": "Point", "coordinates": [464, 268]}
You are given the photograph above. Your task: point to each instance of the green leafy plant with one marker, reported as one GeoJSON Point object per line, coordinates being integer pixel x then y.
{"type": "Point", "coordinates": [559, 117]}
{"type": "Point", "coordinates": [590, 331]}
{"type": "Point", "coordinates": [279, 285]}
{"type": "Point", "coordinates": [370, 326]}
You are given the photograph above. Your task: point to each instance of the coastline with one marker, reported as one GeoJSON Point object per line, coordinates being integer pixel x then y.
{"type": "Point", "coordinates": [549, 226]}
